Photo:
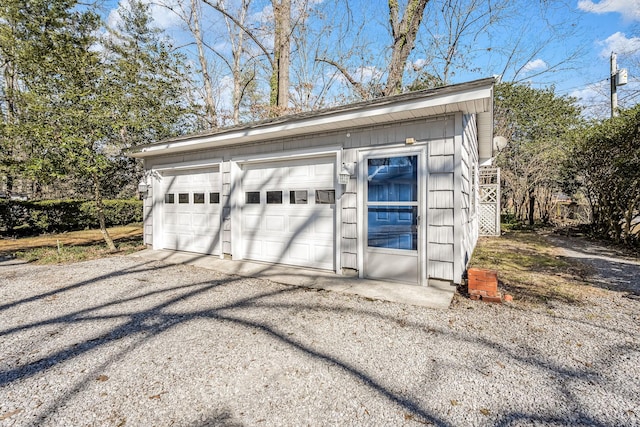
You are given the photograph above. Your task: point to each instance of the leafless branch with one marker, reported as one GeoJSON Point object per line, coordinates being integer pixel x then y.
{"type": "Point", "coordinates": [356, 84]}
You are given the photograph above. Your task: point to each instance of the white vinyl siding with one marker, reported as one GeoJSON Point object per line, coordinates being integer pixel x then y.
{"type": "Point", "coordinates": [441, 203]}
{"type": "Point", "coordinates": [469, 194]}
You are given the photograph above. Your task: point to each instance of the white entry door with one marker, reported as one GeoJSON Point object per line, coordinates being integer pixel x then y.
{"type": "Point", "coordinates": [392, 214]}
{"type": "Point", "coordinates": [288, 212]}
{"type": "Point", "coordinates": [191, 205]}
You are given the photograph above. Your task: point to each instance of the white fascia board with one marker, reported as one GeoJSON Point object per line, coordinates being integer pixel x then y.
{"type": "Point", "coordinates": [198, 164]}
{"type": "Point", "coordinates": [338, 120]}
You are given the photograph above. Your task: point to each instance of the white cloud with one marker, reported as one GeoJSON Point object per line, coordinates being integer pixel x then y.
{"type": "Point", "coordinates": [265, 16]}
{"type": "Point", "coordinates": [368, 74]}
{"type": "Point", "coordinates": [162, 17]}
{"type": "Point", "coordinates": [262, 21]}
{"type": "Point", "coordinates": [363, 75]}
{"type": "Point", "coordinates": [619, 43]}
{"type": "Point", "coordinates": [535, 65]}
{"type": "Point", "coordinates": [594, 99]}
{"type": "Point", "coordinates": [419, 64]}
{"type": "Point", "coordinates": [629, 9]}
{"type": "Point", "coordinates": [224, 100]}
{"type": "Point", "coordinates": [597, 90]}
{"type": "Point", "coordinates": [114, 19]}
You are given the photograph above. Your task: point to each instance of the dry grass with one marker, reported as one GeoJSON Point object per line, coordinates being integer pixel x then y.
{"type": "Point", "coordinates": [73, 246]}
{"type": "Point", "coordinates": [530, 269]}
{"type": "Point", "coordinates": [528, 265]}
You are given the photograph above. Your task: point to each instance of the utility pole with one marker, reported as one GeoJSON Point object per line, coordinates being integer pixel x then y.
{"type": "Point", "coordinates": [614, 88]}
{"type": "Point", "coordinates": [618, 78]}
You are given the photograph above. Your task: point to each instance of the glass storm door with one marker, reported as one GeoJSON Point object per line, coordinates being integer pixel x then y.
{"type": "Point", "coordinates": [392, 215]}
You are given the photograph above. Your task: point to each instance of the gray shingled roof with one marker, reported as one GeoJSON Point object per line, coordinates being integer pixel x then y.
{"type": "Point", "coordinates": [362, 105]}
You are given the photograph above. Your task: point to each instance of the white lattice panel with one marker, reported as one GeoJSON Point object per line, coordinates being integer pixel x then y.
{"type": "Point", "coordinates": [488, 194]}
{"type": "Point", "coordinates": [487, 220]}
{"type": "Point", "coordinates": [489, 208]}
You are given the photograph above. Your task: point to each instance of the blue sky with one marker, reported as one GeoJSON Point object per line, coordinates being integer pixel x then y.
{"type": "Point", "coordinates": [592, 29]}
{"type": "Point", "coordinates": [611, 26]}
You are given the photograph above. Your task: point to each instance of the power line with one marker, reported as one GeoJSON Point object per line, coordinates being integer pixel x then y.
{"type": "Point", "coordinates": [630, 97]}
{"type": "Point", "coordinates": [584, 85]}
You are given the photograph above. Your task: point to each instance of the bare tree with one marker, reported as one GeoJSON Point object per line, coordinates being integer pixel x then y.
{"type": "Point", "coordinates": [194, 26]}
{"type": "Point", "coordinates": [629, 95]}
{"type": "Point", "coordinates": [281, 56]}
{"type": "Point", "coordinates": [517, 40]}
{"type": "Point", "coordinates": [278, 57]}
{"type": "Point", "coordinates": [191, 16]}
{"type": "Point", "coordinates": [532, 43]}
{"type": "Point", "coordinates": [241, 78]}
{"type": "Point", "coordinates": [404, 25]}
{"type": "Point", "coordinates": [404, 32]}
{"type": "Point", "coordinates": [452, 29]}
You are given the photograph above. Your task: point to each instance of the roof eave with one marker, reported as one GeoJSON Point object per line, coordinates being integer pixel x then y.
{"type": "Point", "coordinates": [474, 97]}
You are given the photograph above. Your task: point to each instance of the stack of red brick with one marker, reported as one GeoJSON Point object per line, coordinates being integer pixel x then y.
{"type": "Point", "coordinates": [483, 284]}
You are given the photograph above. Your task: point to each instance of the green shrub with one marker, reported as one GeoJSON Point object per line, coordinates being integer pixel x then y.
{"type": "Point", "coordinates": [55, 216]}
{"type": "Point", "coordinates": [116, 212]}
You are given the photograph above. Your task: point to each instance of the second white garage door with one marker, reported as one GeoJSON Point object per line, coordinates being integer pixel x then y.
{"type": "Point", "coordinates": [288, 213]}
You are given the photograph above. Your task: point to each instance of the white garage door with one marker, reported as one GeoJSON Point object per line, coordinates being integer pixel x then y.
{"type": "Point", "coordinates": [288, 212]}
{"type": "Point", "coordinates": [192, 210]}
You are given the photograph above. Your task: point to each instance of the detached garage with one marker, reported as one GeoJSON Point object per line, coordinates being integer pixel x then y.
{"type": "Point", "coordinates": [384, 189]}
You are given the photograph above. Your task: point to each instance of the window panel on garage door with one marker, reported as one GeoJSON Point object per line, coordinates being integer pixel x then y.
{"type": "Point", "coordinates": [192, 222]}
{"type": "Point", "coordinates": [288, 226]}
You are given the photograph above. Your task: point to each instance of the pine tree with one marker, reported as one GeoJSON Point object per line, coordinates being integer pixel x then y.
{"type": "Point", "coordinates": [80, 101]}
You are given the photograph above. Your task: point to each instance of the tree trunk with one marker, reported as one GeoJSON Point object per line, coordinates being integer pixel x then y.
{"type": "Point", "coordinates": [627, 226]}
{"type": "Point", "coordinates": [532, 208]}
{"type": "Point", "coordinates": [237, 46]}
{"type": "Point", "coordinates": [10, 92]}
{"type": "Point", "coordinates": [237, 98]}
{"type": "Point", "coordinates": [281, 57]}
{"type": "Point", "coordinates": [628, 213]}
{"type": "Point", "coordinates": [404, 36]}
{"type": "Point", "coordinates": [37, 189]}
{"type": "Point", "coordinates": [210, 106]}
{"type": "Point", "coordinates": [97, 195]}
{"type": "Point", "coordinates": [516, 207]}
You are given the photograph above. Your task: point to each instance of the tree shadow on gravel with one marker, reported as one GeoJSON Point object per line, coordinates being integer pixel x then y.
{"type": "Point", "coordinates": [578, 416]}
{"type": "Point", "coordinates": [141, 326]}
{"type": "Point", "coordinates": [153, 322]}
{"type": "Point", "coordinates": [138, 268]}
{"type": "Point", "coordinates": [519, 419]}
{"type": "Point", "coordinates": [219, 418]}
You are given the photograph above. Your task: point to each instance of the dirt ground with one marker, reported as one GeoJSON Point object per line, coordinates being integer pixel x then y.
{"type": "Point", "coordinates": [73, 238]}
{"type": "Point", "coordinates": [613, 269]}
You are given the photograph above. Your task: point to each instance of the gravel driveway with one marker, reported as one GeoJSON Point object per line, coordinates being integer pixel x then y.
{"type": "Point", "coordinates": [123, 341]}
{"type": "Point", "coordinates": [613, 269]}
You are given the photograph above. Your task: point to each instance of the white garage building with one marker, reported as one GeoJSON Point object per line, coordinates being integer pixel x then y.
{"type": "Point", "coordinates": [386, 188]}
